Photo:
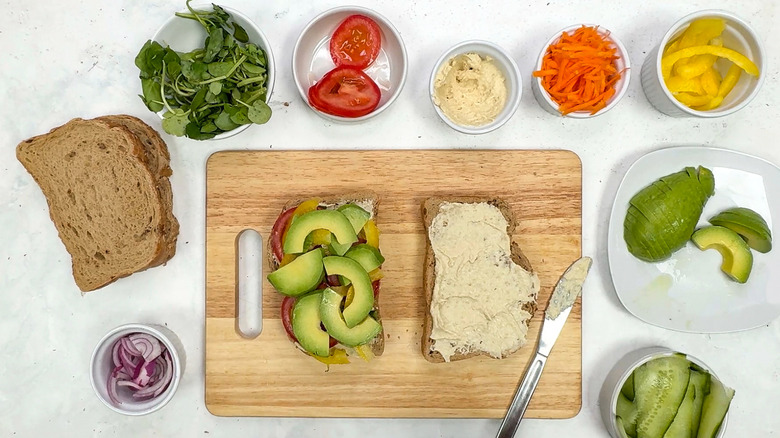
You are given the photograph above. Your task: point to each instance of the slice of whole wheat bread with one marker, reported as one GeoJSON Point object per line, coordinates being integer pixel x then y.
{"type": "Point", "coordinates": [158, 161]}
{"type": "Point", "coordinates": [430, 208]}
{"type": "Point", "coordinates": [102, 198]}
{"type": "Point", "coordinates": [377, 344]}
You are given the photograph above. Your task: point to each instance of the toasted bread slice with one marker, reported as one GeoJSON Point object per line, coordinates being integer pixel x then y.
{"type": "Point", "coordinates": [102, 198]}
{"type": "Point", "coordinates": [377, 345]}
{"type": "Point", "coordinates": [158, 160]}
{"type": "Point", "coordinates": [430, 209]}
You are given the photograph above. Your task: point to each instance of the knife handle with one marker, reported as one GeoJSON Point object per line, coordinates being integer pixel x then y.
{"type": "Point", "coordinates": [522, 397]}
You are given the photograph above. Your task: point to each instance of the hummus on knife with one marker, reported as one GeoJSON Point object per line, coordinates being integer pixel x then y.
{"type": "Point", "coordinates": [479, 293]}
{"type": "Point", "coordinates": [470, 89]}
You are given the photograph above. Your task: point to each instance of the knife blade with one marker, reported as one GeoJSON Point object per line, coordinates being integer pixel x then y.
{"type": "Point", "coordinates": [566, 291]}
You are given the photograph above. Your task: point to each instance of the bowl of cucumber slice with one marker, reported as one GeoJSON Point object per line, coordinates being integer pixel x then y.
{"type": "Point", "coordinates": [658, 392]}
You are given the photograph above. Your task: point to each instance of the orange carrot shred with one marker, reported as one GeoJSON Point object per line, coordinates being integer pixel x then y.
{"type": "Point", "coordinates": [579, 71]}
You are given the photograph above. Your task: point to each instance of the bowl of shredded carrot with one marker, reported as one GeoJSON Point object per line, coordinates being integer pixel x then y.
{"type": "Point", "coordinates": [582, 72]}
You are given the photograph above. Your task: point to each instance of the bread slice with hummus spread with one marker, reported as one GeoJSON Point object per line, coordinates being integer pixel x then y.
{"type": "Point", "coordinates": [480, 289]}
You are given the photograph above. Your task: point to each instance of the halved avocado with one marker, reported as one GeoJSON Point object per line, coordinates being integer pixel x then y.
{"type": "Point", "coordinates": [300, 275]}
{"type": "Point", "coordinates": [306, 325]}
{"type": "Point", "coordinates": [737, 258]}
{"type": "Point", "coordinates": [369, 257]}
{"type": "Point", "coordinates": [363, 301]}
{"type": "Point", "coordinates": [330, 311]}
{"type": "Point", "coordinates": [748, 224]}
{"type": "Point", "coordinates": [356, 215]}
{"type": "Point", "coordinates": [331, 220]}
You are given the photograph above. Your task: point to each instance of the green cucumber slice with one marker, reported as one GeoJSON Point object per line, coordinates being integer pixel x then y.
{"type": "Point", "coordinates": [683, 422]}
{"type": "Point", "coordinates": [628, 388]}
{"type": "Point", "coordinates": [627, 413]}
{"type": "Point", "coordinates": [701, 384]}
{"type": "Point", "coordinates": [659, 388]}
{"type": "Point", "coordinates": [716, 405]}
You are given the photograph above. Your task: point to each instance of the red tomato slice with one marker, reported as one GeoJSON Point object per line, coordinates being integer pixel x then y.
{"type": "Point", "coordinates": [287, 307]}
{"type": "Point", "coordinates": [356, 42]}
{"type": "Point", "coordinates": [277, 232]}
{"type": "Point", "coordinates": [375, 284]}
{"type": "Point", "coordinates": [345, 92]}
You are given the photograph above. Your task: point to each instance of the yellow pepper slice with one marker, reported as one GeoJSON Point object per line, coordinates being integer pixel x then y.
{"type": "Point", "coordinates": [372, 233]}
{"type": "Point", "coordinates": [287, 258]}
{"type": "Point", "coordinates": [376, 274]}
{"type": "Point", "coordinates": [667, 62]}
{"type": "Point", "coordinates": [338, 357]}
{"type": "Point", "coordinates": [693, 99]}
{"type": "Point", "coordinates": [350, 296]}
{"type": "Point", "coordinates": [710, 81]}
{"type": "Point", "coordinates": [728, 83]}
{"type": "Point", "coordinates": [701, 31]}
{"type": "Point", "coordinates": [364, 352]}
{"type": "Point", "coordinates": [306, 206]}
{"type": "Point", "coordinates": [320, 237]}
{"type": "Point", "coordinates": [678, 84]}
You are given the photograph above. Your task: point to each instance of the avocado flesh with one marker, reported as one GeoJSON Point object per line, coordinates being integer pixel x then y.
{"type": "Point", "coordinates": [306, 325]}
{"type": "Point", "coordinates": [331, 220]}
{"type": "Point", "coordinates": [737, 258]}
{"type": "Point", "coordinates": [662, 216]}
{"type": "Point", "coordinates": [748, 224]}
{"type": "Point", "coordinates": [299, 276]}
{"type": "Point", "coordinates": [363, 301]}
{"type": "Point", "coordinates": [330, 311]}
{"type": "Point", "coordinates": [356, 216]}
{"type": "Point", "coordinates": [369, 257]}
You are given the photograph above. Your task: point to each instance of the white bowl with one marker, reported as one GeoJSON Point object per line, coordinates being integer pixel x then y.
{"type": "Point", "coordinates": [738, 36]}
{"type": "Point", "coordinates": [620, 373]}
{"type": "Point", "coordinates": [507, 66]}
{"type": "Point", "coordinates": [311, 58]}
{"type": "Point", "coordinates": [621, 86]}
{"type": "Point", "coordinates": [185, 35]}
{"type": "Point", "coordinates": [102, 363]}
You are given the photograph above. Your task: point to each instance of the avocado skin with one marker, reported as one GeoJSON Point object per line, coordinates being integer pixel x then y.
{"type": "Point", "coordinates": [737, 258]}
{"type": "Point", "coordinates": [662, 216]}
{"type": "Point", "coordinates": [748, 224]}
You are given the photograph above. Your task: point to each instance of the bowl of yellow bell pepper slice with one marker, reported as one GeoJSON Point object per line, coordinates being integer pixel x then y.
{"type": "Point", "coordinates": [709, 64]}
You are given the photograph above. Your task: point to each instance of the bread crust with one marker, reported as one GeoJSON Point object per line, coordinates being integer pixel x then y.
{"type": "Point", "coordinates": [377, 344]}
{"type": "Point", "coordinates": [430, 208]}
{"type": "Point", "coordinates": [158, 161]}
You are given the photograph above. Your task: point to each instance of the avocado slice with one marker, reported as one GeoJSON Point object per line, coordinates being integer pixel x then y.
{"type": "Point", "coordinates": [356, 215]}
{"type": "Point", "coordinates": [299, 276]}
{"type": "Point", "coordinates": [330, 311]}
{"type": "Point", "coordinates": [737, 258]}
{"type": "Point", "coordinates": [306, 325]}
{"type": "Point", "coordinates": [363, 301]}
{"type": "Point", "coordinates": [369, 257]}
{"type": "Point", "coordinates": [748, 224]}
{"type": "Point", "coordinates": [331, 220]}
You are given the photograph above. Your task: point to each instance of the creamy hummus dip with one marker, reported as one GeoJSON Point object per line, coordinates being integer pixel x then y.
{"type": "Point", "coordinates": [470, 89]}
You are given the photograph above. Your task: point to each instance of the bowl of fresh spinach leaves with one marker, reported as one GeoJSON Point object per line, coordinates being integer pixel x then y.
{"type": "Point", "coordinates": [208, 73]}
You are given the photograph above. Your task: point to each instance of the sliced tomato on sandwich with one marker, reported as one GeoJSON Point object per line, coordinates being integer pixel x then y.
{"type": "Point", "coordinates": [277, 232]}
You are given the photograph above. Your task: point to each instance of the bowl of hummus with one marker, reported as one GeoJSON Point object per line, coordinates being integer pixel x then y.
{"type": "Point", "coordinates": [475, 87]}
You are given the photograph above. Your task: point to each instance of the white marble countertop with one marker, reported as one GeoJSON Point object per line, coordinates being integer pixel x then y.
{"type": "Point", "coordinates": [75, 59]}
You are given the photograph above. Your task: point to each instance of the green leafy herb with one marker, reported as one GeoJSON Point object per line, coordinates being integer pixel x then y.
{"type": "Point", "coordinates": [210, 90]}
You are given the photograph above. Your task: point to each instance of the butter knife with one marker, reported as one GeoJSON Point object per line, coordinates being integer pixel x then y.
{"type": "Point", "coordinates": [565, 293]}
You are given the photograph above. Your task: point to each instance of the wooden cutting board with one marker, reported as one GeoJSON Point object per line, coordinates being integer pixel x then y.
{"type": "Point", "coordinates": [268, 376]}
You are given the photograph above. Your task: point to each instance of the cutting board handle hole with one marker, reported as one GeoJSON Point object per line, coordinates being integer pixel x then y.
{"type": "Point", "coordinates": [249, 284]}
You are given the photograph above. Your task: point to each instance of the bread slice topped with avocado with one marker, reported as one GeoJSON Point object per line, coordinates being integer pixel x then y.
{"type": "Point", "coordinates": [325, 259]}
{"type": "Point", "coordinates": [106, 183]}
{"type": "Point", "coordinates": [480, 289]}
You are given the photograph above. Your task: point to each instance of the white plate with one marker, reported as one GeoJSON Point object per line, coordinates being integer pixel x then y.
{"type": "Point", "coordinates": [688, 292]}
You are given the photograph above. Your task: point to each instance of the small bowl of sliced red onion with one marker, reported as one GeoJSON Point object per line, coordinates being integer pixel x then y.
{"type": "Point", "coordinates": [136, 368]}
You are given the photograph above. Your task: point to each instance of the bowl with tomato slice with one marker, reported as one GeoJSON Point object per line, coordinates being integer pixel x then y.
{"type": "Point", "coordinates": [349, 64]}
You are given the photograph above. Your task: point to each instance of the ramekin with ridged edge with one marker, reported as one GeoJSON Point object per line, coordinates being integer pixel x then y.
{"type": "Point", "coordinates": [624, 367]}
{"type": "Point", "coordinates": [738, 36]}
